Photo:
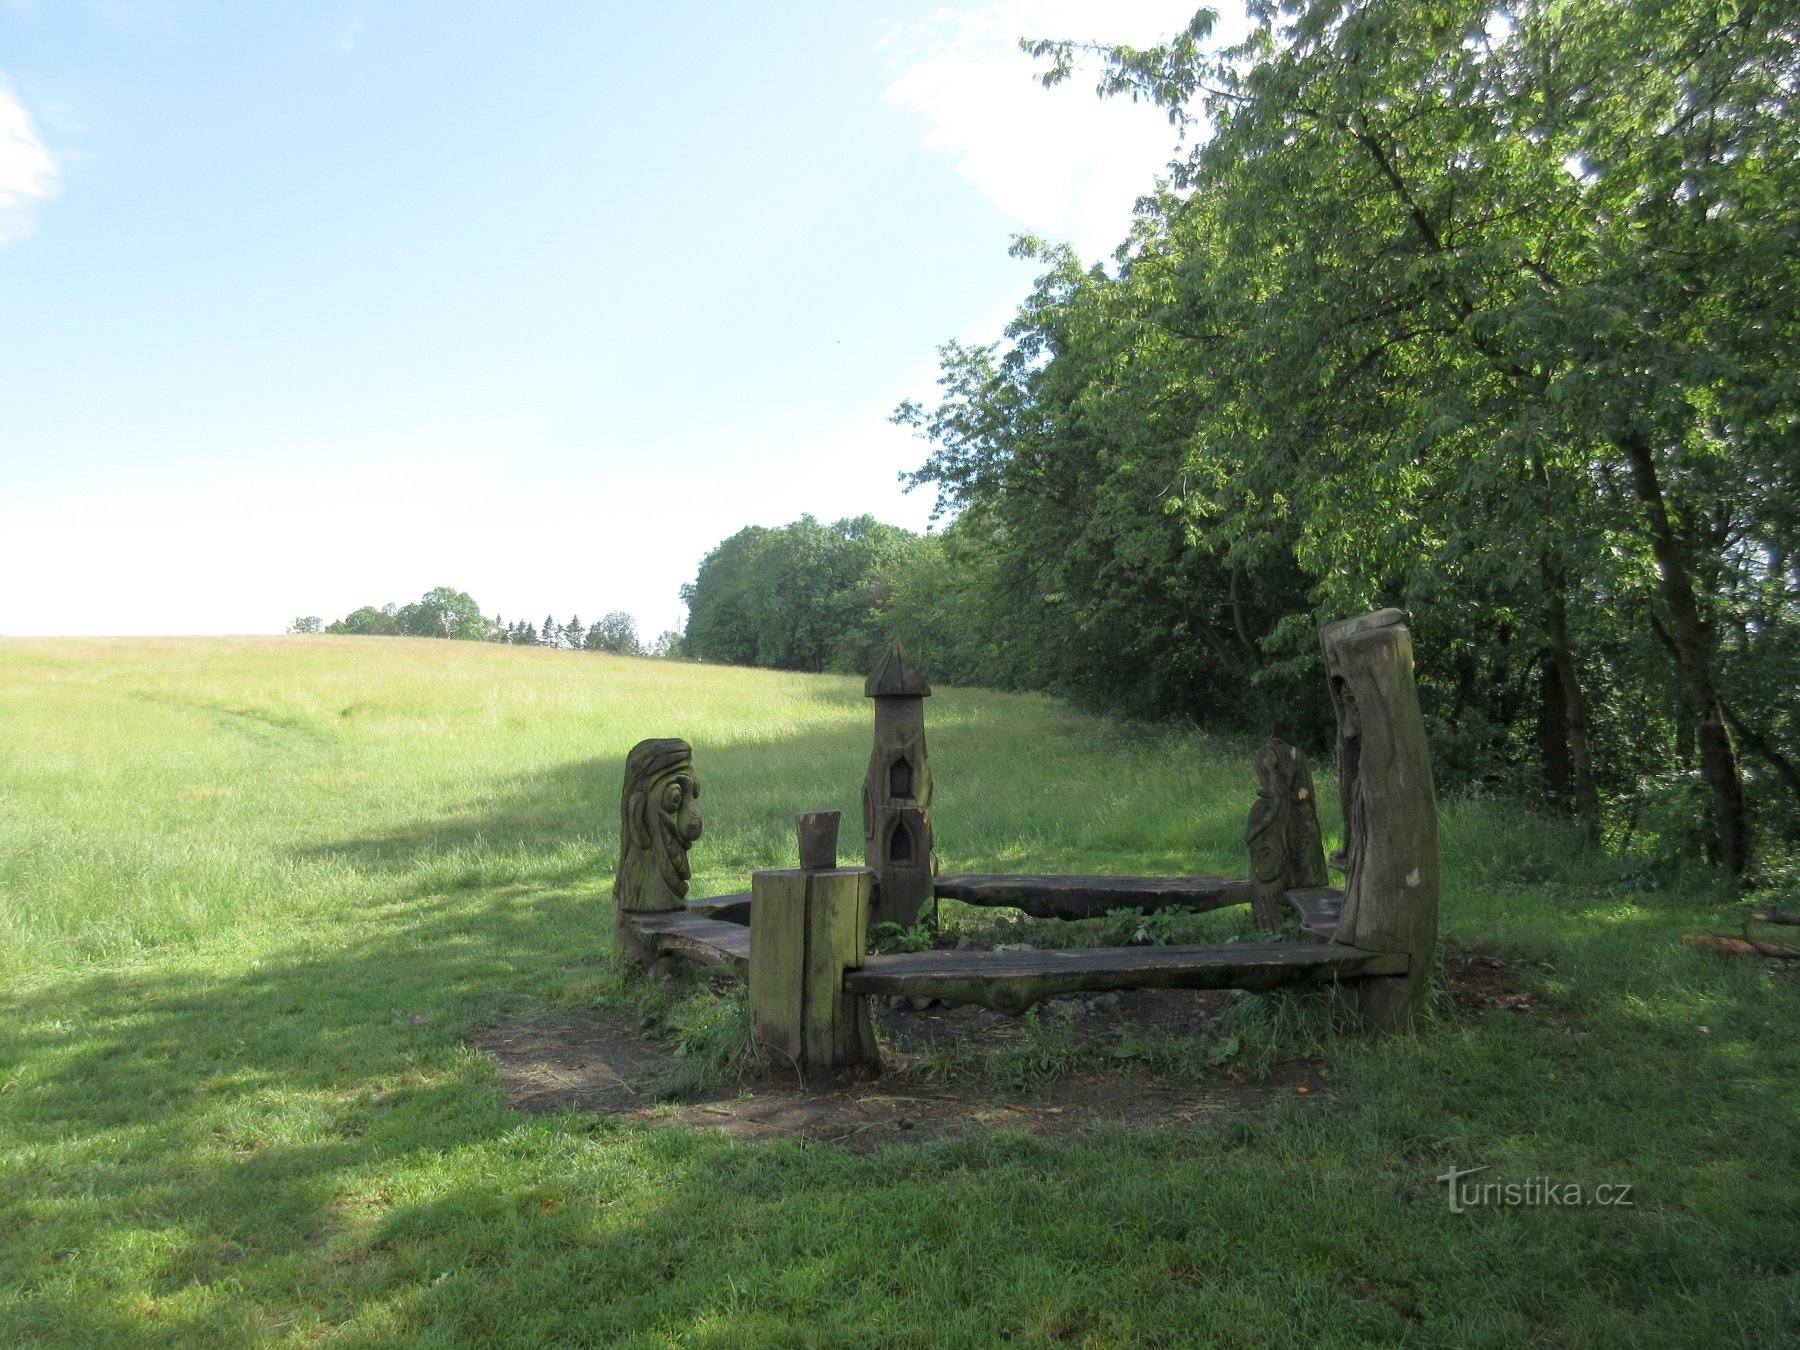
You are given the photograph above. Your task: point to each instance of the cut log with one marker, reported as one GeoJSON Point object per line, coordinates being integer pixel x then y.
{"type": "Point", "coordinates": [807, 928]}
{"type": "Point", "coordinates": [1320, 908]}
{"type": "Point", "coordinates": [778, 963]}
{"type": "Point", "coordinates": [1725, 945]}
{"type": "Point", "coordinates": [1093, 897]}
{"type": "Point", "coordinates": [1012, 981]}
{"type": "Point", "coordinates": [711, 942]}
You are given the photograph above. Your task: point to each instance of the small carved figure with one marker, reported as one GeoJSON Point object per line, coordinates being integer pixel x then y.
{"type": "Point", "coordinates": [659, 820]}
{"type": "Point", "coordinates": [1282, 834]}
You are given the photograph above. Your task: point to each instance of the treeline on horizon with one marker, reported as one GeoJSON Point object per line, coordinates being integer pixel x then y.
{"type": "Point", "coordinates": [453, 615]}
{"type": "Point", "coordinates": [1441, 314]}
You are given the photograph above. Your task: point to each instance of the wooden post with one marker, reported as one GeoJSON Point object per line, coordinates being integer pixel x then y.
{"type": "Point", "coordinates": [1390, 854]}
{"type": "Point", "coordinates": [897, 792]}
{"type": "Point", "coordinates": [807, 927]}
{"type": "Point", "coordinates": [1282, 834]}
{"type": "Point", "coordinates": [818, 839]}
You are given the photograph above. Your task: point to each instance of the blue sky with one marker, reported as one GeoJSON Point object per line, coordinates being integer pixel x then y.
{"type": "Point", "coordinates": [309, 306]}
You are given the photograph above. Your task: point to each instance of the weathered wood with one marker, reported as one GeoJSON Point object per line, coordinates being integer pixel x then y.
{"type": "Point", "coordinates": [1319, 908]}
{"type": "Point", "coordinates": [1282, 834]}
{"type": "Point", "coordinates": [806, 930]}
{"type": "Point", "coordinates": [818, 831]}
{"type": "Point", "coordinates": [659, 820]}
{"type": "Point", "coordinates": [1390, 810]}
{"type": "Point", "coordinates": [730, 908]}
{"type": "Point", "coordinates": [711, 942]}
{"type": "Point", "coordinates": [896, 795]}
{"type": "Point", "coordinates": [778, 962]}
{"type": "Point", "coordinates": [895, 676]}
{"type": "Point", "coordinates": [1013, 981]}
{"type": "Point", "coordinates": [1093, 897]}
{"type": "Point", "coordinates": [836, 1028]}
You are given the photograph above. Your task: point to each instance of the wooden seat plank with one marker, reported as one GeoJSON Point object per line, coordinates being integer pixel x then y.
{"type": "Point", "coordinates": [1013, 981]}
{"type": "Point", "coordinates": [711, 942]}
{"type": "Point", "coordinates": [730, 908]}
{"type": "Point", "coordinates": [1319, 908]}
{"type": "Point", "coordinates": [1063, 897]}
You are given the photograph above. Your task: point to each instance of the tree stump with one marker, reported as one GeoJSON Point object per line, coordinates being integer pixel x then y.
{"type": "Point", "coordinates": [807, 927]}
{"type": "Point", "coordinates": [1390, 856]}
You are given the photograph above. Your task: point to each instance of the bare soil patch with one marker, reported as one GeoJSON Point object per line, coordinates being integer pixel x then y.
{"type": "Point", "coordinates": [601, 1062]}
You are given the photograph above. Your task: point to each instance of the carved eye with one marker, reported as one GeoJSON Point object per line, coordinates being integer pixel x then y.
{"type": "Point", "coordinates": [672, 796]}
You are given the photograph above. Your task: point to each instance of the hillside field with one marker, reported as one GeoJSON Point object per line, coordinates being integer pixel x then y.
{"type": "Point", "coordinates": [258, 895]}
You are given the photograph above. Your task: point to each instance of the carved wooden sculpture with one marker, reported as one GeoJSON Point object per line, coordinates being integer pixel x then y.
{"type": "Point", "coordinates": [1390, 856]}
{"type": "Point", "coordinates": [896, 794]}
{"type": "Point", "coordinates": [1282, 834]}
{"type": "Point", "coordinates": [659, 820]}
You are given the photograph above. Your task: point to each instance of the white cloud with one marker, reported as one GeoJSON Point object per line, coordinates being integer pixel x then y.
{"type": "Point", "coordinates": [243, 550]}
{"type": "Point", "coordinates": [1060, 161]}
{"type": "Point", "coordinates": [28, 174]}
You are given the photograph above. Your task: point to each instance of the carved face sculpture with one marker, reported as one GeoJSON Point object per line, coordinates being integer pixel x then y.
{"type": "Point", "coordinates": [659, 821]}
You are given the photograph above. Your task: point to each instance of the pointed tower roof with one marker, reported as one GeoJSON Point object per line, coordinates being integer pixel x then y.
{"type": "Point", "coordinates": [895, 675]}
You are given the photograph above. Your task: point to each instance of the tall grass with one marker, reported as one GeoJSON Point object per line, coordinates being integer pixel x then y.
{"type": "Point", "coordinates": [256, 895]}
{"type": "Point", "coordinates": [163, 792]}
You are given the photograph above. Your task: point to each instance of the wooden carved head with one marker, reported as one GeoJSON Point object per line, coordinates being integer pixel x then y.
{"type": "Point", "coordinates": [659, 820]}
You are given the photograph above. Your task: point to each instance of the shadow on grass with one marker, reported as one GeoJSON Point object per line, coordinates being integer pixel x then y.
{"type": "Point", "coordinates": [226, 1148]}
{"type": "Point", "coordinates": [746, 790]}
{"type": "Point", "coordinates": [217, 1145]}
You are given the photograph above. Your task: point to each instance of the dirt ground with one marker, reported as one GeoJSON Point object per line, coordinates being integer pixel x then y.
{"type": "Point", "coordinates": [600, 1062]}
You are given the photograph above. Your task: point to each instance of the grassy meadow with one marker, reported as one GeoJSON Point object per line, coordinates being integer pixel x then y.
{"type": "Point", "coordinates": [257, 894]}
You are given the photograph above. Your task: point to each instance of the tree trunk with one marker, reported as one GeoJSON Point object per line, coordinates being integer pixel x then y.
{"type": "Point", "coordinates": [1718, 757]}
{"type": "Point", "coordinates": [1553, 736]}
{"type": "Point", "coordinates": [1573, 701]}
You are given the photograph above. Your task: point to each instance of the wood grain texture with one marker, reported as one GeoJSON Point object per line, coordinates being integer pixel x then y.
{"type": "Point", "coordinates": [691, 937]}
{"type": "Point", "coordinates": [836, 1029]}
{"type": "Point", "coordinates": [1390, 808]}
{"type": "Point", "coordinates": [896, 793]}
{"type": "Point", "coordinates": [806, 929]}
{"type": "Point", "coordinates": [729, 908]}
{"type": "Point", "coordinates": [1319, 909]}
{"type": "Point", "coordinates": [1013, 981]}
{"type": "Point", "coordinates": [778, 962]}
{"type": "Point", "coordinates": [1092, 897]}
{"type": "Point", "coordinates": [1282, 833]}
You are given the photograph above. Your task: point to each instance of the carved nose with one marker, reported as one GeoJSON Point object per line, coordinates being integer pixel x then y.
{"type": "Point", "coordinates": [691, 826]}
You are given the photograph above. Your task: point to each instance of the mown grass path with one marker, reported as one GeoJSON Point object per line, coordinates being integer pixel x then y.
{"type": "Point", "coordinates": [256, 895]}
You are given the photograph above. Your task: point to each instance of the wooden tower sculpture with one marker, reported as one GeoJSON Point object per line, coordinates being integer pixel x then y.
{"type": "Point", "coordinates": [896, 794]}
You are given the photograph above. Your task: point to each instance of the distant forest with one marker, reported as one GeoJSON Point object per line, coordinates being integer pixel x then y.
{"type": "Point", "coordinates": [1444, 313]}
{"type": "Point", "coordinates": [452, 614]}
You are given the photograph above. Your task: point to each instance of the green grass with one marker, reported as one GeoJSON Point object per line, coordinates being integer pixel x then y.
{"type": "Point", "coordinates": [255, 895]}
